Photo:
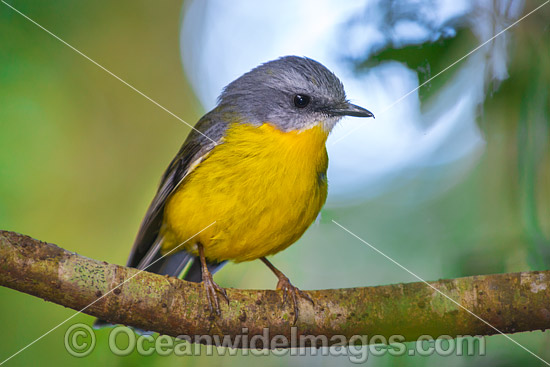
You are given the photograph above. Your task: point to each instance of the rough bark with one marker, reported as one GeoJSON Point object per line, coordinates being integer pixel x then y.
{"type": "Point", "coordinates": [510, 302]}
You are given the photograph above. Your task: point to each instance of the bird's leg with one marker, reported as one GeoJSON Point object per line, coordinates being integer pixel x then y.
{"type": "Point", "coordinates": [209, 285]}
{"type": "Point", "coordinates": [287, 288]}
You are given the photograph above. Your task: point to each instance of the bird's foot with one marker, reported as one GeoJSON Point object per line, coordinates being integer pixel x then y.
{"type": "Point", "coordinates": [212, 289]}
{"type": "Point", "coordinates": [290, 290]}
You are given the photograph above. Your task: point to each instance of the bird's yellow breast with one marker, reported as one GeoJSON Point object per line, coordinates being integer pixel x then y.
{"type": "Point", "coordinates": [262, 187]}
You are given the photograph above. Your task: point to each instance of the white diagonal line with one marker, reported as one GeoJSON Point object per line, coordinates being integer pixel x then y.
{"type": "Point", "coordinates": [106, 70]}
{"type": "Point", "coordinates": [437, 290]}
{"type": "Point", "coordinates": [444, 70]}
{"type": "Point", "coordinates": [110, 291]}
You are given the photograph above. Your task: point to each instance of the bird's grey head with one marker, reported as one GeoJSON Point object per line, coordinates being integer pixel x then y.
{"type": "Point", "coordinates": [293, 93]}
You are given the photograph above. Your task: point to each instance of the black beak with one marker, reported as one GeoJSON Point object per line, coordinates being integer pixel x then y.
{"type": "Point", "coordinates": [348, 109]}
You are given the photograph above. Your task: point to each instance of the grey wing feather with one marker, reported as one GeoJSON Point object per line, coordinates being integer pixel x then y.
{"type": "Point", "coordinates": [145, 253]}
{"type": "Point", "coordinates": [195, 148]}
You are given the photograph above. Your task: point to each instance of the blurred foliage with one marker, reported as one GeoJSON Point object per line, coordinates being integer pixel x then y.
{"type": "Point", "coordinates": [81, 154]}
{"type": "Point", "coordinates": [428, 58]}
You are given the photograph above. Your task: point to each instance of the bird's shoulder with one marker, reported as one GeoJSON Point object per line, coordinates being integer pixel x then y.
{"type": "Point", "coordinates": [206, 134]}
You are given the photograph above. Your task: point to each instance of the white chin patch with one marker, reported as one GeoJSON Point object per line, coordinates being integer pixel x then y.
{"type": "Point", "coordinates": [329, 123]}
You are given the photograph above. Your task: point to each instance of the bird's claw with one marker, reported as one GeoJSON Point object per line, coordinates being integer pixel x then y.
{"type": "Point", "coordinates": [212, 289]}
{"type": "Point", "coordinates": [288, 289]}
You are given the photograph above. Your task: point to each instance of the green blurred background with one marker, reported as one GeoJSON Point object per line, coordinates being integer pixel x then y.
{"type": "Point", "coordinates": [81, 155]}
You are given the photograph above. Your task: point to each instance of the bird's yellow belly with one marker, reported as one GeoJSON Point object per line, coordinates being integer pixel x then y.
{"type": "Point", "coordinates": [258, 192]}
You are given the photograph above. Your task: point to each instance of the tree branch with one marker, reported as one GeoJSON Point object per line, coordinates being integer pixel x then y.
{"type": "Point", "coordinates": [510, 302]}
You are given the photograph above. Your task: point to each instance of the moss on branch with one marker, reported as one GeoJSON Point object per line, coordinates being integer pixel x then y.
{"type": "Point", "coordinates": [510, 302]}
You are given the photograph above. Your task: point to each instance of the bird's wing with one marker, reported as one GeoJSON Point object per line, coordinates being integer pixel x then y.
{"type": "Point", "coordinates": [145, 253]}
{"type": "Point", "coordinates": [207, 134]}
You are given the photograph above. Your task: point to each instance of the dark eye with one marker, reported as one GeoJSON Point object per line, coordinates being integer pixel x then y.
{"type": "Point", "coordinates": [301, 100]}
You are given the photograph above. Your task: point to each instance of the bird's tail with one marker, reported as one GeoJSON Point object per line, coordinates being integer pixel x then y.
{"type": "Point", "coordinates": [179, 264]}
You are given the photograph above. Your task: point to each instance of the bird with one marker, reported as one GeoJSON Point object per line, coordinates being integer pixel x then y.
{"type": "Point", "coordinates": [250, 178]}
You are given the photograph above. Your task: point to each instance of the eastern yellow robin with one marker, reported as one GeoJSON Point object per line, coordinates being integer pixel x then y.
{"type": "Point", "coordinates": [250, 179]}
